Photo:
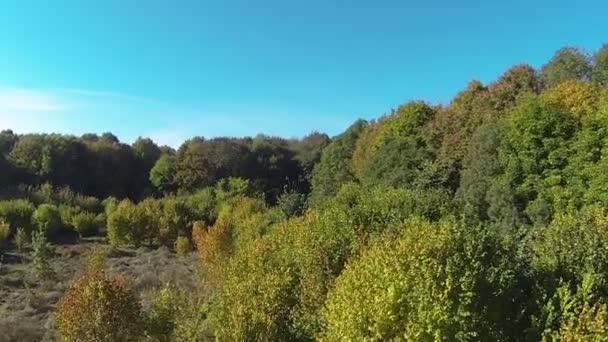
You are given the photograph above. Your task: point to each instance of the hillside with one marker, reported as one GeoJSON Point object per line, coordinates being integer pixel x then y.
{"type": "Point", "coordinates": [484, 218]}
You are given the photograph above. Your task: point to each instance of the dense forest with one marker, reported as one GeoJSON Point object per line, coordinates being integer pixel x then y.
{"type": "Point", "coordinates": [483, 219]}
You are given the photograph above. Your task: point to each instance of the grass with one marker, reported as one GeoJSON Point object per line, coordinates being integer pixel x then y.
{"type": "Point", "coordinates": [27, 305]}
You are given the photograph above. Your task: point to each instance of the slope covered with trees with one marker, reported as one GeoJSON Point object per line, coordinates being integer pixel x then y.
{"type": "Point", "coordinates": [485, 218]}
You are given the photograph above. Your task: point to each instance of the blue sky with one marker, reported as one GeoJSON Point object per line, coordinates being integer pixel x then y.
{"type": "Point", "coordinates": [172, 69]}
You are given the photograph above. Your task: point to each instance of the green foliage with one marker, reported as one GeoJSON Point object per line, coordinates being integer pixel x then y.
{"type": "Point", "coordinates": [431, 282]}
{"type": "Point", "coordinates": [258, 308]}
{"type": "Point", "coordinates": [161, 175]}
{"type": "Point", "coordinates": [350, 238]}
{"type": "Point", "coordinates": [5, 230]}
{"type": "Point", "coordinates": [578, 315]}
{"type": "Point", "coordinates": [335, 167]}
{"type": "Point", "coordinates": [392, 151]}
{"type": "Point", "coordinates": [119, 224]}
{"type": "Point", "coordinates": [21, 239]}
{"type": "Point", "coordinates": [85, 223]}
{"type": "Point", "coordinates": [164, 313]}
{"type": "Point", "coordinates": [131, 224]}
{"type": "Point", "coordinates": [480, 168]}
{"type": "Point", "coordinates": [535, 151]}
{"type": "Point", "coordinates": [176, 220]}
{"type": "Point", "coordinates": [572, 245]}
{"type": "Point", "coordinates": [567, 64]}
{"type": "Point", "coordinates": [202, 204]}
{"type": "Point", "coordinates": [291, 203]}
{"type": "Point", "coordinates": [599, 74]}
{"type": "Point", "coordinates": [41, 253]}
{"type": "Point", "coordinates": [515, 83]}
{"type": "Point", "coordinates": [17, 213]}
{"type": "Point", "coordinates": [100, 307]}
{"type": "Point", "coordinates": [48, 219]}
{"type": "Point", "coordinates": [182, 245]}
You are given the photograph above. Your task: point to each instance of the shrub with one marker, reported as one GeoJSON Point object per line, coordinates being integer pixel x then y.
{"type": "Point", "coordinates": [258, 296]}
{"type": "Point", "coordinates": [100, 307]}
{"type": "Point", "coordinates": [41, 253]}
{"type": "Point", "coordinates": [5, 230]}
{"type": "Point", "coordinates": [577, 315]}
{"type": "Point", "coordinates": [182, 245]}
{"type": "Point", "coordinates": [202, 204]}
{"type": "Point", "coordinates": [175, 220]}
{"type": "Point", "coordinates": [432, 282]}
{"type": "Point", "coordinates": [123, 224]}
{"type": "Point", "coordinates": [84, 223]}
{"type": "Point", "coordinates": [48, 219]}
{"type": "Point", "coordinates": [67, 214]}
{"type": "Point", "coordinates": [17, 213]}
{"type": "Point", "coordinates": [21, 239]}
{"type": "Point", "coordinates": [164, 313]}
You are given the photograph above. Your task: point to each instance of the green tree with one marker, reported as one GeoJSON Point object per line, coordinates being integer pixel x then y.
{"type": "Point", "coordinates": [335, 167]}
{"type": "Point", "coordinates": [162, 174]}
{"type": "Point", "coordinates": [599, 74]}
{"type": "Point", "coordinates": [568, 63]}
{"type": "Point", "coordinates": [534, 152]}
{"type": "Point", "coordinates": [480, 169]}
{"type": "Point", "coordinates": [41, 253]}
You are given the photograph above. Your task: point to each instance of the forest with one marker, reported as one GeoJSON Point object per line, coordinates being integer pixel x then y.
{"type": "Point", "coordinates": [481, 219]}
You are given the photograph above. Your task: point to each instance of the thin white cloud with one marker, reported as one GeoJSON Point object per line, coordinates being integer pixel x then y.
{"type": "Point", "coordinates": [26, 100]}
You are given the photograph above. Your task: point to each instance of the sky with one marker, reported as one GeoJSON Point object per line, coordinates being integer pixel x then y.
{"type": "Point", "coordinates": [173, 69]}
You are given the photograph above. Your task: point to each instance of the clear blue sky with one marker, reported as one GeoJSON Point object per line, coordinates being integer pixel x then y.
{"type": "Point", "coordinates": [172, 69]}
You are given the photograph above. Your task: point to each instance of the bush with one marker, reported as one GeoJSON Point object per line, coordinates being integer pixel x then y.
{"type": "Point", "coordinates": [18, 213]}
{"type": "Point", "coordinates": [258, 296]}
{"type": "Point", "coordinates": [202, 204]}
{"type": "Point", "coordinates": [164, 313]}
{"type": "Point", "coordinates": [21, 239]}
{"type": "Point", "coordinates": [84, 223]}
{"type": "Point", "coordinates": [182, 245]}
{"type": "Point", "coordinates": [577, 315]}
{"type": "Point", "coordinates": [175, 220]}
{"type": "Point", "coordinates": [48, 219]}
{"type": "Point", "coordinates": [67, 214]}
{"type": "Point", "coordinates": [5, 230]}
{"type": "Point", "coordinates": [432, 282]}
{"type": "Point", "coordinates": [41, 253]}
{"type": "Point", "coordinates": [100, 307]}
{"type": "Point", "coordinates": [126, 225]}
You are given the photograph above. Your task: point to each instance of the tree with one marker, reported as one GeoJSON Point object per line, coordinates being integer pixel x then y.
{"type": "Point", "coordinates": [146, 153]}
{"type": "Point", "coordinates": [41, 253]}
{"type": "Point", "coordinates": [274, 168]}
{"type": "Point", "coordinates": [534, 153]}
{"type": "Point", "coordinates": [162, 174]}
{"type": "Point", "coordinates": [481, 167]}
{"type": "Point", "coordinates": [567, 64]}
{"type": "Point", "coordinates": [516, 82]}
{"type": "Point", "coordinates": [335, 167]}
{"type": "Point", "coordinates": [391, 150]}
{"type": "Point", "coordinates": [599, 74]}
